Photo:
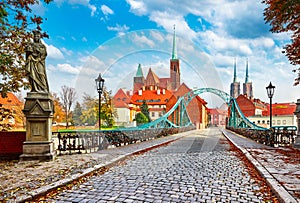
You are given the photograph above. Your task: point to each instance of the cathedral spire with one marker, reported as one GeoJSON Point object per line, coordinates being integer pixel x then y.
{"type": "Point", "coordinates": [139, 72]}
{"type": "Point", "coordinates": [234, 71]}
{"type": "Point", "coordinates": [174, 51]}
{"type": "Point", "coordinates": [247, 76]}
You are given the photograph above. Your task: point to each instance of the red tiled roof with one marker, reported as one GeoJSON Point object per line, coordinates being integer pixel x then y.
{"type": "Point", "coordinates": [280, 109]}
{"type": "Point", "coordinates": [151, 97]}
{"type": "Point", "coordinates": [121, 99]}
{"type": "Point", "coordinates": [10, 100]}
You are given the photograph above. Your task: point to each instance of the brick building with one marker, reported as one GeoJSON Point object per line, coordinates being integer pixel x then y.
{"type": "Point", "coordinates": [161, 94]}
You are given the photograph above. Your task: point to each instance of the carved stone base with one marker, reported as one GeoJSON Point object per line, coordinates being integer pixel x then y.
{"type": "Point", "coordinates": [38, 151]}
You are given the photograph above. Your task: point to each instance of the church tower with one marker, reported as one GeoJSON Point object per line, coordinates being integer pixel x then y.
{"type": "Point", "coordinates": [174, 66]}
{"type": "Point", "coordinates": [234, 86]}
{"type": "Point", "coordinates": [247, 86]}
{"type": "Point", "coordinates": [138, 80]}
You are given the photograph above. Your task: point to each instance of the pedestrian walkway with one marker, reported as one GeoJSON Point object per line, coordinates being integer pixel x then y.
{"type": "Point", "coordinates": [279, 166]}
{"type": "Point", "coordinates": [21, 181]}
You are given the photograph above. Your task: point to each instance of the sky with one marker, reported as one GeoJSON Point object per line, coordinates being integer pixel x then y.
{"type": "Point", "coordinates": [88, 37]}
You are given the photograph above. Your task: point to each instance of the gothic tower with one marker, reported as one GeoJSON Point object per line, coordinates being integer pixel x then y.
{"type": "Point", "coordinates": [138, 80]}
{"type": "Point", "coordinates": [247, 86]}
{"type": "Point", "coordinates": [174, 66]}
{"type": "Point", "coordinates": [234, 86]}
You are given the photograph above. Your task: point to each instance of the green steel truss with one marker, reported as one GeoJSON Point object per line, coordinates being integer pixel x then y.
{"type": "Point", "coordinates": [179, 112]}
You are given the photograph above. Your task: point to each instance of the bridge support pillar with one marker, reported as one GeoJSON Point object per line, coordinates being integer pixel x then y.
{"type": "Point", "coordinates": [297, 113]}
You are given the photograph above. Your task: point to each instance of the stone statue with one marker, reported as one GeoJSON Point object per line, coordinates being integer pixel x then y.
{"type": "Point", "coordinates": [35, 64]}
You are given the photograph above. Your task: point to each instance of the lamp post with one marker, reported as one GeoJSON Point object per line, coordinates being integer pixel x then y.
{"type": "Point", "coordinates": [99, 84]}
{"type": "Point", "coordinates": [270, 91]}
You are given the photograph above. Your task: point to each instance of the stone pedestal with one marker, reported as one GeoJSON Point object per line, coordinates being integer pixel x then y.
{"type": "Point", "coordinates": [297, 113]}
{"type": "Point", "coordinates": [38, 111]}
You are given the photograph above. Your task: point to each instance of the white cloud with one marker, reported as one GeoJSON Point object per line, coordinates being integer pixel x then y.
{"type": "Point", "coordinates": [68, 68]}
{"type": "Point", "coordinates": [137, 7]}
{"type": "Point", "coordinates": [54, 52]}
{"type": "Point", "coordinates": [85, 3]}
{"type": "Point", "coordinates": [120, 29]}
{"type": "Point", "coordinates": [142, 40]}
{"type": "Point", "coordinates": [106, 10]}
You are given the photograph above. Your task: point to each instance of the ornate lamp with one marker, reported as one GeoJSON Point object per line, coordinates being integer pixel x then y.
{"type": "Point", "coordinates": [99, 84]}
{"type": "Point", "coordinates": [270, 91]}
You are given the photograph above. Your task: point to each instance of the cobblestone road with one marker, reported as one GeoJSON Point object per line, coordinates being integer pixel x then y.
{"type": "Point", "coordinates": [196, 168]}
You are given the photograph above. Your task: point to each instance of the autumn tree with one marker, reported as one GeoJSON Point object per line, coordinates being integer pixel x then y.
{"type": "Point", "coordinates": [17, 20]}
{"type": "Point", "coordinates": [59, 113]}
{"type": "Point", "coordinates": [284, 16]}
{"type": "Point", "coordinates": [108, 113]}
{"type": "Point", "coordinates": [89, 110]}
{"type": "Point", "coordinates": [68, 96]}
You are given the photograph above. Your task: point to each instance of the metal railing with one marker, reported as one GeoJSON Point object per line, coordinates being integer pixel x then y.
{"type": "Point", "coordinates": [70, 142]}
{"type": "Point", "coordinates": [276, 136]}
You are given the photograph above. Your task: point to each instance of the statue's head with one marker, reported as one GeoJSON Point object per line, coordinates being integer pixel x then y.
{"type": "Point", "coordinates": [36, 35]}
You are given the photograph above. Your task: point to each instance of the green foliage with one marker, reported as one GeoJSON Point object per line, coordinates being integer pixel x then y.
{"type": "Point", "coordinates": [89, 110]}
{"type": "Point", "coordinates": [145, 110]}
{"type": "Point", "coordinates": [5, 115]}
{"type": "Point", "coordinates": [108, 113]}
{"type": "Point", "coordinates": [16, 23]}
{"type": "Point", "coordinates": [140, 118]}
{"type": "Point", "coordinates": [77, 113]}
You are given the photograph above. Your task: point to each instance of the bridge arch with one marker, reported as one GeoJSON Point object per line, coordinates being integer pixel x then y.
{"type": "Point", "coordinates": [236, 117]}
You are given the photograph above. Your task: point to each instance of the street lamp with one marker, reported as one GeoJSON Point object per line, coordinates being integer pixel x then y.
{"type": "Point", "coordinates": [99, 85]}
{"type": "Point", "coordinates": [270, 91]}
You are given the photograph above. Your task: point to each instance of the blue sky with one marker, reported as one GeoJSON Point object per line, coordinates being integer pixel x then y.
{"type": "Point", "coordinates": [113, 37]}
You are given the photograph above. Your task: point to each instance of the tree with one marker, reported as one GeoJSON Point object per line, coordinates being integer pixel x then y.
{"type": "Point", "coordinates": [89, 110]}
{"type": "Point", "coordinates": [108, 113]}
{"type": "Point", "coordinates": [59, 113]}
{"type": "Point", "coordinates": [77, 113]}
{"type": "Point", "coordinates": [16, 23]}
{"type": "Point", "coordinates": [145, 110]}
{"type": "Point", "coordinates": [68, 96]}
{"type": "Point", "coordinates": [140, 118]}
{"type": "Point", "coordinates": [284, 16]}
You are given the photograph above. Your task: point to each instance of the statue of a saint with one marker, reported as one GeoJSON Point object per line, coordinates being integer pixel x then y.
{"type": "Point", "coordinates": [35, 64]}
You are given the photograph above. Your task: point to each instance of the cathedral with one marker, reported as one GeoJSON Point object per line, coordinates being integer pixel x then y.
{"type": "Point", "coordinates": [235, 85]}
{"type": "Point", "coordinates": [152, 81]}
{"type": "Point", "coordinates": [160, 94]}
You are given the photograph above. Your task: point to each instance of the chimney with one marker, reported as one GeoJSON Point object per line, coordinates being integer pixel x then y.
{"type": "Point", "coordinates": [130, 93]}
{"type": "Point", "coordinates": [158, 92]}
{"type": "Point", "coordinates": [151, 87]}
{"type": "Point", "coordinates": [140, 92]}
{"type": "Point", "coordinates": [163, 91]}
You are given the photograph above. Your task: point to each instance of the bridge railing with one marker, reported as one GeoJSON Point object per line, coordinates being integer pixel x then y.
{"type": "Point", "coordinates": [276, 136]}
{"type": "Point", "coordinates": [70, 142]}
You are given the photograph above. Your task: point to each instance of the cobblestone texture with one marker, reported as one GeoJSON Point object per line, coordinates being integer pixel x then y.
{"type": "Point", "coordinates": [196, 168]}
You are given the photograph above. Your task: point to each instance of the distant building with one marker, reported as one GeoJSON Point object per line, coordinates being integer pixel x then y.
{"type": "Point", "coordinates": [15, 106]}
{"type": "Point", "coordinates": [235, 85]}
{"type": "Point", "coordinates": [160, 95]}
{"type": "Point", "coordinates": [156, 99]}
{"type": "Point", "coordinates": [120, 102]}
{"type": "Point", "coordinates": [218, 117]}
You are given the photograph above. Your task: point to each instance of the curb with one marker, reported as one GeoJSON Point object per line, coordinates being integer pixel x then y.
{"type": "Point", "coordinates": [45, 189]}
{"type": "Point", "coordinates": [282, 194]}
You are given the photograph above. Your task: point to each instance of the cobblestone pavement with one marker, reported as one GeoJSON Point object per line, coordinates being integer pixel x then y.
{"type": "Point", "coordinates": [196, 168]}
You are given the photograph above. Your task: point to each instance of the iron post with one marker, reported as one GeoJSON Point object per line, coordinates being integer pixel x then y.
{"type": "Point", "coordinates": [270, 91]}
{"type": "Point", "coordinates": [99, 84]}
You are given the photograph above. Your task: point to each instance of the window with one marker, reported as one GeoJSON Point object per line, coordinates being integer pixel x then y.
{"type": "Point", "coordinates": [284, 122]}
{"type": "Point", "coordinates": [278, 122]}
{"type": "Point", "coordinates": [268, 122]}
{"type": "Point", "coordinates": [263, 122]}
{"type": "Point", "coordinates": [258, 122]}
{"type": "Point", "coordinates": [152, 114]}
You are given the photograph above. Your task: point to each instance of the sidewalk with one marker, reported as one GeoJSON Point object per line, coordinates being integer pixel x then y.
{"type": "Point", "coordinates": [279, 166]}
{"type": "Point", "coordinates": [20, 181]}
